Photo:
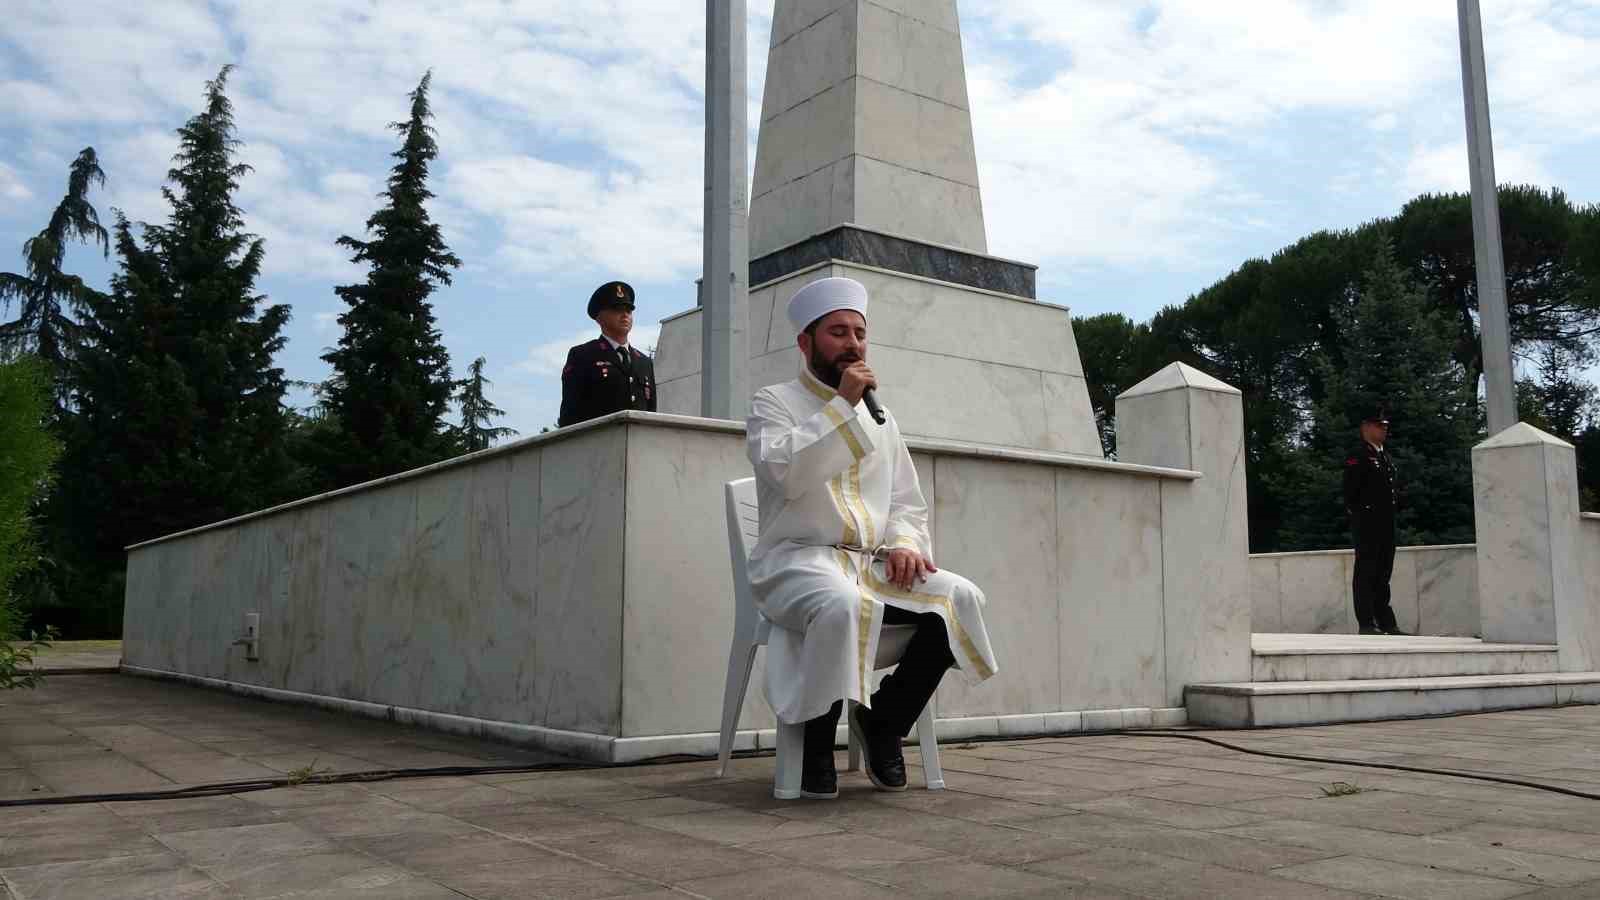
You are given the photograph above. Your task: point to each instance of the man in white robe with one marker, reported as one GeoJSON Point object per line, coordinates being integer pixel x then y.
{"type": "Point", "coordinates": [844, 548]}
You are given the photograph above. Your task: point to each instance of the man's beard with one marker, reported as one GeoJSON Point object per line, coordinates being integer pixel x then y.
{"type": "Point", "coordinates": [831, 372]}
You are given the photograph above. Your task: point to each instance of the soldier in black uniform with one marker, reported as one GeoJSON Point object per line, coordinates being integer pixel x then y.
{"type": "Point", "coordinates": [606, 375]}
{"type": "Point", "coordinates": [1369, 501]}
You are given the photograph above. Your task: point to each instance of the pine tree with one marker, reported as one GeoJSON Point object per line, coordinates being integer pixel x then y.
{"type": "Point", "coordinates": [391, 386]}
{"type": "Point", "coordinates": [179, 418]}
{"type": "Point", "coordinates": [44, 292]}
{"type": "Point", "coordinates": [1397, 352]}
{"type": "Point", "coordinates": [477, 412]}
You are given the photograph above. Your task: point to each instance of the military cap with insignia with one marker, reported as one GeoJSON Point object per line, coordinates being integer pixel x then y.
{"type": "Point", "coordinates": [608, 295]}
{"type": "Point", "coordinates": [1378, 413]}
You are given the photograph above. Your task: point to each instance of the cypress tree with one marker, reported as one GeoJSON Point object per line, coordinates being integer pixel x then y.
{"type": "Point", "coordinates": [391, 386]}
{"type": "Point", "coordinates": [477, 431]}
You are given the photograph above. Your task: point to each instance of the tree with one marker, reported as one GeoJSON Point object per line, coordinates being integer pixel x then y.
{"type": "Point", "coordinates": [477, 413]}
{"type": "Point", "coordinates": [44, 292]}
{"type": "Point", "coordinates": [1397, 352]}
{"type": "Point", "coordinates": [1116, 354]}
{"type": "Point", "coordinates": [27, 454]}
{"type": "Point", "coordinates": [1558, 400]}
{"type": "Point", "coordinates": [179, 419]}
{"type": "Point", "coordinates": [392, 382]}
{"type": "Point", "coordinates": [1549, 296]}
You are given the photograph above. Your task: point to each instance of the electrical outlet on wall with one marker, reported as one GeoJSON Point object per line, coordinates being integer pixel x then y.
{"type": "Point", "coordinates": [251, 639]}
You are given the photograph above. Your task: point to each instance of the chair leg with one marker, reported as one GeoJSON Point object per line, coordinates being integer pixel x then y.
{"type": "Point", "coordinates": [733, 700]}
{"type": "Point", "coordinates": [928, 739]}
{"type": "Point", "coordinates": [852, 749]}
{"type": "Point", "coordinates": [791, 760]}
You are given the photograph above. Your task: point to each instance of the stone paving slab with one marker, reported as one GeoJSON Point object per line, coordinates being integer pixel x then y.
{"type": "Point", "coordinates": [1091, 817]}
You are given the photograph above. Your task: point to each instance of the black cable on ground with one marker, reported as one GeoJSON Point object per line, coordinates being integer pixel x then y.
{"type": "Point", "coordinates": [244, 787]}
{"type": "Point", "coordinates": [1395, 767]}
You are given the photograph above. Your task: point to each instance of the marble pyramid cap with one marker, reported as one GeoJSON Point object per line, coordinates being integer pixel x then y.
{"type": "Point", "coordinates": [824, 296]}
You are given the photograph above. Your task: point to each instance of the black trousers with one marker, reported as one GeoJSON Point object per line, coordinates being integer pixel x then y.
{"type": "Point", "coordinates": [1374, 565]}
{"type": "Point", "coordinates": [904, 692]}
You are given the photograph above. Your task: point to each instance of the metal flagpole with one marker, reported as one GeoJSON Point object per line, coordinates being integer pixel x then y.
{"type": "Point", "coordinates": [1493, 319]}
{"type": "Point", "coordinates": [725, 308]}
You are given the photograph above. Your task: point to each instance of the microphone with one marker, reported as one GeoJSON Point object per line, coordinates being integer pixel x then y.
{"type": "Point", "coordinates": [870, 398]}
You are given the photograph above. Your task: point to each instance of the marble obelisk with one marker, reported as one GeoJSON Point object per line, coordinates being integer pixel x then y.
{"type": "Point", "coordinates": [866, 167]}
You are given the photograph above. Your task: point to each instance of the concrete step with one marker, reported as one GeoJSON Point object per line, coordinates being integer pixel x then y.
{"type": "Point", "coordinates": [1265, 703]}
{"type": "Point", "coordinates": [1339, 657]}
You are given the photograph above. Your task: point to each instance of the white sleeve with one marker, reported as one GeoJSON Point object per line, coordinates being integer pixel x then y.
{"type": "Point", "coordinates": [800, 456]}
{"type": "Point", "coordinates": [908, 509]}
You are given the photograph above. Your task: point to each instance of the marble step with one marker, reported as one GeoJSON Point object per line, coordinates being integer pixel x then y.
{"type": "Point", "coordinates": [1265, 703]}
{"type": "Point", "coordinates": [1325, 657]}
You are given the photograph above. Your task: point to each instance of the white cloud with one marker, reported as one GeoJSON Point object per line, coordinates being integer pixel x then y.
{"type": "Point", "coordinates": [1443, 168]}
{"type": "Point", "coordinates": [11, 186]}
{"type": "Point", "coordinates": [1121, 154]}
{"type": "Point", "coordinates": [547, 359]}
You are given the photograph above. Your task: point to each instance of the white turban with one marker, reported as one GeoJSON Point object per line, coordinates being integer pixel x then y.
{"type": "Point", "coordinates": [824, 296]}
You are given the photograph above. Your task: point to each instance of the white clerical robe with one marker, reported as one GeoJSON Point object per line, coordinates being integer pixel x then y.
{"type": "Point", "coordinates": [837, 491]}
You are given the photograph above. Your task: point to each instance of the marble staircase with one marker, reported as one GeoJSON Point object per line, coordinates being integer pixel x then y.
{"type": "Point", "coordinates": [1311, 679]}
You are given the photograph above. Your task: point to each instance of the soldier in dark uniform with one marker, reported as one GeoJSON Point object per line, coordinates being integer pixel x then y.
{"type": "Point", "coordinates": [606, 375]}
{"type": "Point", "coordinates": [1369, 501]}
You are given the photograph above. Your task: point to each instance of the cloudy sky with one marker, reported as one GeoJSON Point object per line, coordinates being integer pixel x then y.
{"type": "Point", "coordinates": [1135, 151]}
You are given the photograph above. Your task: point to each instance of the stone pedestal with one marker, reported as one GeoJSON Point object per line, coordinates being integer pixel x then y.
{"type": "Point", "coordinates": [1183, 418]}
{"type": "Point", "coordinates": [956, 362]}
{"type": "Point", "coordinates": [1530, 572]}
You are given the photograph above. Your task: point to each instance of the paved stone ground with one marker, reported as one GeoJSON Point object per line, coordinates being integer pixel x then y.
{"type": "Point", "coordinates": [1088, 817]}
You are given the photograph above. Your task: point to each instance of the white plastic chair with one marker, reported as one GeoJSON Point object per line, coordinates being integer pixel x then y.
{"type": "Point", "coordinates": [750, 631]}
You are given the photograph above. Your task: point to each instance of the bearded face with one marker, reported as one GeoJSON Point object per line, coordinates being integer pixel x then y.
{"type": "Point", "coordinates": [838, 341]}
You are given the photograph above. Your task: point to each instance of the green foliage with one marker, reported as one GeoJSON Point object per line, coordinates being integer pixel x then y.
{"type": "Point", "coordinates": [27, 453]}
{"type": "Point", "coordinates": [178, 418]}
{"type": "Point", "coordinates": [1116, 354]}
{"type": "Point", "coordinates": [1549, 297]}
{"type": "Point", "coordinates": [1276, 329]}
{"type": "Point", "coordinates": [1397, 353]}
{"type": "Point", "coordinates": [392, 384]}
{"type": "Point", "coordinates": [44, 292]}
{"type": "Point", "coordinates": [477, 431]}
{"type": "Point", "coordinates": [16, 660]}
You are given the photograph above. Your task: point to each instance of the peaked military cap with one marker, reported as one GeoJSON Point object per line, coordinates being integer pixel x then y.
{"type": "Point", "coordinates": [608, 295]}
{"type": "Point", "coordinates": [1378, 414]}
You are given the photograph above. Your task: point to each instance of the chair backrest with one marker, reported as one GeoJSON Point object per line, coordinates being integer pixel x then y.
{"type": "Point", "coordinates": [744, 527]}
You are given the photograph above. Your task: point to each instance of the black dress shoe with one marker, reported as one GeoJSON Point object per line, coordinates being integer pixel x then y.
{"type": "Point", "coordinates": [1367, 630]}
{"type": "Point", "coordinates": [819, 780]}
{"type": "Point", "coordinates": [1397, 632]}
{"type": "Point", "coordinates": [885, 765]}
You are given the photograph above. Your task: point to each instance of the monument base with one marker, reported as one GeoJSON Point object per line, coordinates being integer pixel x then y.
{"type": "Point", "coordinates": [572, 591]}
{"type": "Point", "coordinates": [971, 365]}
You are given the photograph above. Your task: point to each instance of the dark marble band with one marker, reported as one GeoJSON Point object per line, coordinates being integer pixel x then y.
{"type": "Point", "coordinates": [869, 248]}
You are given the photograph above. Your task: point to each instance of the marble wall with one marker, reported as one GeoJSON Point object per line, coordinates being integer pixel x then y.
{"type": "Point", "coordinates": [1589, 551]}
{"type": "Point", "coordinates": [1434, 590]}
{"type": "Point", "coordinates": [579, 581]}
{"type": "Point", "coordinates": [471, 589]}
